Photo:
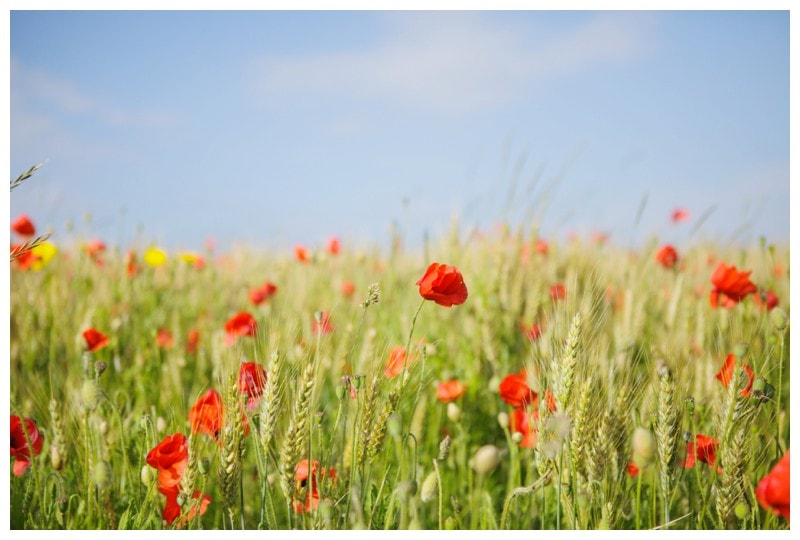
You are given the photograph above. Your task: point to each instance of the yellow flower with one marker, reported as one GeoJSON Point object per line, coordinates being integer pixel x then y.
{"type": "Point", "coordinates": [44, 253]}
{"type": "Point", "coordinates": [188, 258]}
{"type": "Point", "coordinates": [155, 257]}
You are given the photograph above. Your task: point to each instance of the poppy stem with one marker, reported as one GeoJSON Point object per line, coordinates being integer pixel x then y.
{"type": "Point", "coordinates": [408, 342]}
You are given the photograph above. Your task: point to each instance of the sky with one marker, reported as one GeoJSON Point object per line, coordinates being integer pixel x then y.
{"type": "Point", "coordinates": [271, 129]}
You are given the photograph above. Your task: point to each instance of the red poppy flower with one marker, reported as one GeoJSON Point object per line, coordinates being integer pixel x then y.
{"type": "Point", "coordinates": [515, 391]}
{"type": "Point", "coordinates": [24, 259]}
{"type": "Point", "coordinates": [170, 458]}
{"type": "Point", "coordinates": [550, 401]}
{"type": "Point", "coordinates": [252, 378]}
{"type": "Point", "coordinates": [264, 292]}
{"type": "Point", "coordinates": [192, 341]}
{"type": "Point", "coordinates": [542, 247]}
{"type": "Point", "coordinates": [558, 291]}
{"type": "Point", "coordinates": [172, 509]}
{"type": "Point", "coordinates": [333, 246]}
{"type": "Point", "coordinates": [448, 391]}
{"type": "Point", "coordinates": [20, 450]}
{"type": "Point", "coordinates": [730, 286]}
{"type": "Point", "coordinates": [95, 340]}
{"type": "Point", "coordinates": [164, 339]}
{"type": "Point", "coordinates": [632, 470]}
{"type": "Point", "coordinates": [705, 450]}
{"type": "Point", "coordinates": [533, 333]}
{"type": "Point", "coordinates": [348, 288]}
{"type": "Point", "coordinates": [301, 254]}
{"type": "Point", "coordinates": [667, 256]}
{"type": "Point", "coordinates": [765, 300]}
{"type": "Point", "coordinates": [443, 284]}
{"type": "Point", "coordinates": [524, 421]}
{"type": "Point", "coordinates": [725, 374]}
{"type": "Point", "coordinates": [94, 249]}
{"type": "Point", "coordinates": [241, 324]}
{"type": "Point", "coordinates": [394, 365]}
{"type": "Point", "coordinates": [599, 238]}
{"type": "Point", "coordinates": [323, 325]}
{"type": "Point", "coordinates": [301, 475]}
{"type": "Point", "coordinates": [680, 214]}
{"type": "Point", "coordinates": [773, 490]}
{"type": "Point", "coordinates": [130, 262]}
{"type": "Point", "coordinates": [205, 416]}
{"type": "Point", "coordinates": [23, 226]}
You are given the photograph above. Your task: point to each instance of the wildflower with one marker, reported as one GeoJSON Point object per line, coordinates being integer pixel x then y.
{"type": "Point", "coordinates": [667, 256]}
{"type": "Point", "coordinates": [765, 299]}
{"type": "Point", "coordinates": [20, 450]}
{"type": "Point", "coordinates": [394, 365]}
{"type": "Point", "coordinates": [333, 246]}
{"type": "Point", "coordinates": [704, 449]}
{"type": "Point", "coordinates": [24, 259]}
{"type": "Point", "coordinates": [94, 249]}
{"type": "Point", "coordinates": [443, 284]}
{"type": "Point", "coordinates": [542, 247]}
{"type": "Point", "coordinates": [130, 264]}
{"type": "Point", "coordinates": [599, 238]}
{"type": "Point", "coordinates": [558, 291]}
{"type": "Point", "coordinates": [252, 378]}
{"type": "Point", "coordinates": [680, 214]}
{"type": "Point", "coordinates": [205, 416]}
{"type": "Point", "coordinates": [515, 391]}
{"type": "Point", "coordinates": [95, 340]}
{"type": "Point", "coordinates": [240, 325]}
{"type": "Point", "coordinates": [632, 470]}
{"type": "Point", "coordinates": [730, 286]}
{"type": "Point", "coordinates": [172, 509]}
{"type": "Point", "coordinates": [550, 401]}
{"type": "Point", "coordinates": [523, 422]}
{"type": "Point", "coordinates": [348, 288]}
{"type": "Point", "coordinates": [301, 254]}
{"type": "Point", "coordinates": [23, 226]}
{"type": "Point", "coordinates": [725, 374]}
{"type": "Point", "coordinates": [773, 490]}
{"type": "Point", "coordinates": [164, 339]}
{"type": "Point", "coordinates": [170, 458]}
{"type": "Point", "coordinates": [192, 341]}
{"type": "Point", "coordinates": [42, 254]}
{"type": "Point", "coordinates": [448, 391]}
{"type": "Point", "coordinates": [301, 475]}
{"type": "Point", "coordinates": [155, 257]}
{"type": "Point", "coordinates": [259, 294]}
{"type": "Point", "coordinates": [533, 333]}
{"type": "Point", "coordinates": [322, 324]}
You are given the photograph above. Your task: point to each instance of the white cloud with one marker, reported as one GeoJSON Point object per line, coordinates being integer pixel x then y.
{"type": "Point", "coordinates": [453, 62]}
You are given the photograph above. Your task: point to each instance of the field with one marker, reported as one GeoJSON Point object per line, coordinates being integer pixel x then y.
{"type": "Point", "coordinates": [570, 385]}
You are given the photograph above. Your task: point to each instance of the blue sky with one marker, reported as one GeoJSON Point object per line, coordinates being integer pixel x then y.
{"type": "Point", "coordinates": [281, 128]}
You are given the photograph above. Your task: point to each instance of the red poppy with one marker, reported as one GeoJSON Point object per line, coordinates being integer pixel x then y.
{"type": "Point", "coordinates": [515, 391]}
{"type": "Point", "coordinates": [533, 333]}
{"type": "Point", "coordinates": [164, 339]}
{"type": "Point", "coordinates": [130, 262]}
{"type": "Point", "coordinates": [542, 247]}
{"type": "Point", "coordinates": [777, 270]}
{"type": "Point", "coordinates": [773, 490]}
{"type": "Point", "coordinates": [394, 365]}
{"type": "Point", "coordinates": [170, 458]}
{"type": "Point", "coordinates": [333, 246]}
{"type": "Point", "coordinates": [705, 450]}
{"type": "Point", "coordinates": [94, 249]}
{"type": "Point", "coordinates": [550, 401]}
{"type": "Point", "coordinates": [599, 238]}
{"type": "Point", "coordinates": [680, 214]}
{"type": "Point", "coordinates": [205, 416]}
{"type": "Point", "coordinates": [301, 474]}
{"type": "Point", "coordinates": [95, 340]}
{"type": "Point", "coordinates": [322, 325]}
{"type": "Point", "coordinates": [20, 450]}
{"type": "Point", "coordinates": [301, 254]}
{"type": "Point", "coordinates": [667, 256]}
{"type": "Point", "coordinates": [348, 288]}
{"type": "Point", "coordinates": [725, 374]}
{"type": "Point", "coordinates": [192, 341]}
{"type": "Point", "coordinates": [23, 226]}
{"type": "Point", "coordinates": [632, 469]}
{"type": "Point", "coordinates": [264, 292]}
{"type": "Point", "coordinates": [172, 509]}
{"type": "Point", "coordinates": [443, 284]}
{"type": "Point", "coordinates": [558, 291]}
{"type": "Point", "coordinates": [252, 378]}
{"type": "Point", "coordinates": [765, 299]}
{"type": "Point", "coordinates": [730, 286]}
{"type": "Point", "coordinates": [448, 391]}
{"type": "Point", "coordinates": [241, 324]}
{"type": "Point", "coordinates": [524, 422]}
{"type": "Point", "coordinates": [24, 259]}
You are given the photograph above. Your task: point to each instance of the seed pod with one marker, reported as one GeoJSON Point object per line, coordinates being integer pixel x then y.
{"type": "Point", "coordinates": [486, 459]}
{"type": "Point", "coordinates": [430, 487]}
{"type": "Point", "coordinates": [779, 318]}
{"type": "Point", "coordinates": [90, 394]}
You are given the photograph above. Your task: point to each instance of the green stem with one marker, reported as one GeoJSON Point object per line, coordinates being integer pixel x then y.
{"type": "Point", "coordinates": [439, 480]}
{"type": "Point", "coordinates": [408, 343]}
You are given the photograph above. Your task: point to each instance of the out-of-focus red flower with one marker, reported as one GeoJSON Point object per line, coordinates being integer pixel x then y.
{"type": "Point", "coordinates": [550, 401]}
{"type": "Point", "coordinates": [23, 226]}
{"type": "Point", "coordinates": [252, 378]}
{"type": "Point", "coordinates": [164, 339]}
{"type": "Point", "coordinates": [599, 238]}
{"type": "Point", "coordinates": [680, 214]}
{"type": "Point", "coordinates": [443, 284]}
{"type": "Point", "coordinates": [241, 324]}
{"type": "Point", "coordinates": [25, 259]}
{"type": "Point", "coordinates": [773, 490]}
{"type": "Point", "coordinates": [301, 476]}
{"type": "Point", "coordinates": [264, 292]}
{"type": "Point", "coordinates": [130, 264]}
{"type": "Point", "coordinates": [730, 286]}
{"type": "Point", "coordinates": [394, 365]}
{"type": "Point", "coordinates": [348, 288]}
{"type": "Point", "coordinates": [524, 421]}
{"type": "Point", "coordinates": [515, 391]}
{"type": "Point", "coordinates": [20, 450]}
{"type": "Point", "coordinates": [725, 374]}
{"type": "Point", "coordinates": [192, 341]}
{"type": "Point", "coordinates": [172, 509]}
{"type": "Point", "coordinates": [558, 291]}
{"type": "Point", "coordinates": [95, 340]}
{"type": "Point", "coordinates": [667, 256]}
{"type": "Point", "coordinates": [533, 333]}
{"type": "Point", "coordinates": [170, 458]}
{"type": "Point", "coordinates": [765, 299]}
{"type": "Point", "coordinates": [301, 254]}
{"type": "Point", "coordinates": [333, 246]}
{"type": "Point", "coordinates": [632, 470]}
{"type": "Point", "coordinates": [704, 450]}
{"type": "Point", "coordinates": [94, 249]}
{"type": "Point", "coordinates": [322, 325]}
{"type": "Point", "coordinates": [206, 414]}
{"type": "Point", "coordinates": [542, 247]}
{"type": "Point", "coordinates": [777, 270]}
{"type": "Point", "coordinates": [451, 390]}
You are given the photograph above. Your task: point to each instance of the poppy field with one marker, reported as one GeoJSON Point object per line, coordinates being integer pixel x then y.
{"type": "Point", "coordinates": [496, 379]}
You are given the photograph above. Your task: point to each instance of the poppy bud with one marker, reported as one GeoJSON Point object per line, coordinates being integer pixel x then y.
{"type": "Point", "coordinates": [453, 412]}
{"type": "Point", "coordinates": [502, 419]}
{"type": "Point", "coordinates": [644, 447]}
{"type": "Point", "coordinates": [181, 499]}
{"type": "Point", "coordinates": [102, 475]}
{"type": "Point", "coordinates": [161, 424]}
{"type": "Point", "coordinates": [318, 316]}
{"type": "Point", "coordinates": [740, 349]}
{"type": "Point", "coordinates": [450, 523]}
{"type": "Point", "coordinates": [517, 437]}
{"type": "Point", "coordinates": [103, 428]}
{"type": "Point", "coordinates": [689, 404]}
{"type": "Point", "coordinates": [55, 458]}
{"type": "Point", "coordinates": [742, 510]}
{"type": "Point", "coordinates": [779, 318]}
{"type": "Point", "coordinates": [486, 459]}
{"type": "Point", "coordinates": [444, 448]}
{"type": "Point", "coordinates": [147, 475]}
{"type": "Point", "coordinates": [358, 382]}
{"type": "Point", "coordinates": [341, 391]}
{"type": "Point", "coordinates": [759, 385]}
{"type": "Point", "coordinates": [430, 487]}
{"type": "Point", "coordinates": [394, 425]}
{"type": "Point", "coordinates": [90, 394]}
